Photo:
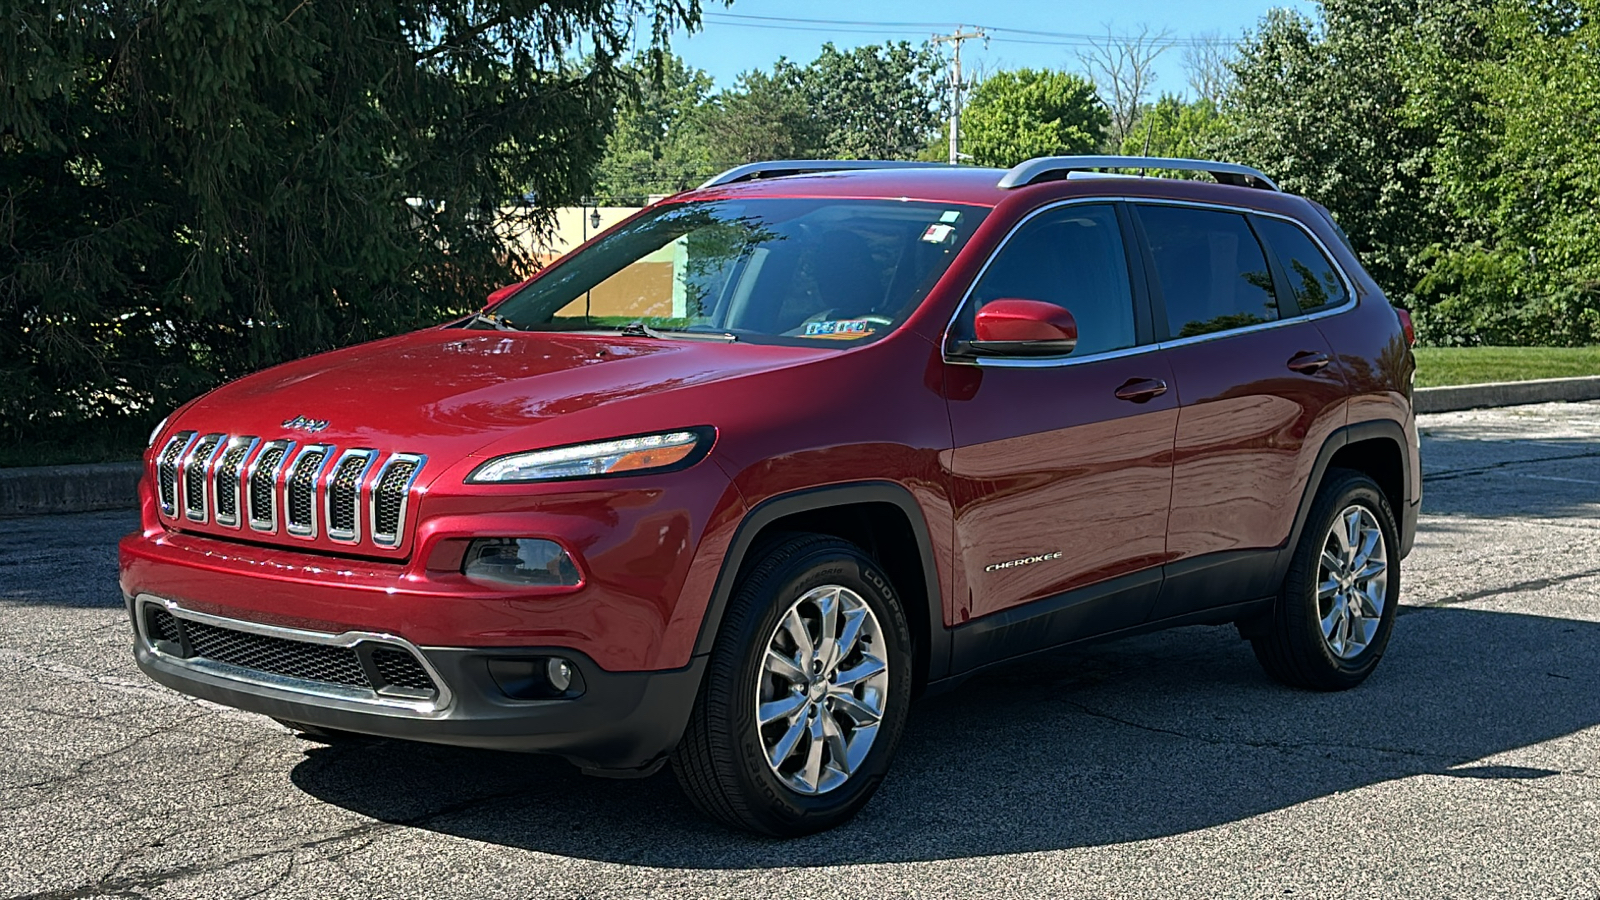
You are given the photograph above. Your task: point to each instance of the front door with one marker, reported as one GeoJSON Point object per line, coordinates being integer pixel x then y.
{"type": "Point", "coordinates": [1062, 468]}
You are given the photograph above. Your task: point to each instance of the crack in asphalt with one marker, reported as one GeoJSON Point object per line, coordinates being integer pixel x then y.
{"type": "Point", "coordinates": [130, 885]}
{"type": "Point", "coordinates": [1520, 587]}
{"type": "Point", "coordinates": [1452, 474]}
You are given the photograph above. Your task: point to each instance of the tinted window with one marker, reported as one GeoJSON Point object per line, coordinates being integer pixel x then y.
{"type": "Point", "coordinates": [835, 271]}
{"type": "Point", "coordinates": [1312, 278]}
{"type": "Point", "coordinates": [1212, 273]}
{"type": "Point", "coordinates": [1072, 257]}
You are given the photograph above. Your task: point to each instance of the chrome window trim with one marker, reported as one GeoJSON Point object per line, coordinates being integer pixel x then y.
{"type": "Point", "coordinates": [171, 509]}
{"type": "Point", "coordinates": [308, 530]}
{"type": "Point", "coordinates": [270, 523]}
{"type": "Point", "coordinates": [340, 535]}
{"type": "Point", "coordinates": [1051, 362]}
{"type": "Point", "coordinates": [249, 443]}
{"type": "Point", "coordinates": [296, 690]}
{"type": "Point", "coordinates": [391, 541]}
{"type": "Point", "coordinates": [188, 459]}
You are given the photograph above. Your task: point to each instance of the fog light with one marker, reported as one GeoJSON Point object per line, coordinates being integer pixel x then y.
{"type": "Point", "coordinates": [559, 671]}
{"type": "Point", "coordinates": [525, 562]}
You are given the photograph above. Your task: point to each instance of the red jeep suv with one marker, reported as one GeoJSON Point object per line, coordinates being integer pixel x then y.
{"type": "Point", "coordinates": [733, 482]}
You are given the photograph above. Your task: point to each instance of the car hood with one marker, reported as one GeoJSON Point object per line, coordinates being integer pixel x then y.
{"type": "Point", "coordinates": [449, 392]}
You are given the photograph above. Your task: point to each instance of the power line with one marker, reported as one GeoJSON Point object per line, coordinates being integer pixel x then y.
{"type": "Point", "coordinates": [998, 33]}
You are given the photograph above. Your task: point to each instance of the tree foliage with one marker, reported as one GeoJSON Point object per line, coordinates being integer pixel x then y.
{"type": "Point", "coordinates": [192, 190]}
{"type": "Point", "coordinates": [1016, 115]}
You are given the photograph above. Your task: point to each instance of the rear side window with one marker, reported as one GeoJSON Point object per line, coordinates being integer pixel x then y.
{"type": "Point", "coordinates": [1210, 268]}
{"type": "Point", "coordinates": [1313, 280]}
{"type": "Point", "coordinates": [1072, 257]}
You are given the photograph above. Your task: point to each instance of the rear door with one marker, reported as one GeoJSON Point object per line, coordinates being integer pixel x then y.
{"type": "Point", "coordinates": [1061, 469]}
{"type": "Point", "coordinates": [1260, 394]}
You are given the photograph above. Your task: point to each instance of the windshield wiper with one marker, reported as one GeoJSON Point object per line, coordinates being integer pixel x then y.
{"type": "Point", "coordinates": [640, 329]}
{"type": "Point", "coordinates": [493, 320]}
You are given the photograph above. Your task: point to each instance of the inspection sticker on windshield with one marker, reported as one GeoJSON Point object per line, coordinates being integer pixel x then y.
{"type": "Point", "coordinates": [843, 330]}
{"type": "Point", "coordinates": [938, 233]}
{"type": "Point", "coordinates": [951, 216]}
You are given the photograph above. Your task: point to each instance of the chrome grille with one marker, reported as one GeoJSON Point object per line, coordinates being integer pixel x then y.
{"type": "Point", "coordinates": [167, 471]}
{"type": "Point", "coordinates": [300, 492]}
{"type": "Point", "coordinates": [226, 480]}
{"type": "Point", "coordinates": [360, 495]}
{"type": "Point", "coordinates": [194, 465]}
{"type": "Point", "coordinates": [343, 496]}
{"type": "Point", "coordinates": [391, 496]}
{"type": "Point", "coordinates": [263, 479]}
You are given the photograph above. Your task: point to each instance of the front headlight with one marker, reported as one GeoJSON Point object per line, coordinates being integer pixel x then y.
{"type": "Point", "coordinates": [623, 456]}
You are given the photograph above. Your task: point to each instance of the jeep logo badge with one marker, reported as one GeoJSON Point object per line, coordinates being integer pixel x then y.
{"type": "Point", "coordinates": [301, 423]}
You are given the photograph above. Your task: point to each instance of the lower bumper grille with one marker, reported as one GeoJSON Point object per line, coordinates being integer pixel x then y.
{"type": "Point", "coordinates": [385, 669]}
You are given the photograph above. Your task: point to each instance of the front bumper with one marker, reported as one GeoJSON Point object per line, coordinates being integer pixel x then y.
{"type": "Point", "coordinates": [622, 722]}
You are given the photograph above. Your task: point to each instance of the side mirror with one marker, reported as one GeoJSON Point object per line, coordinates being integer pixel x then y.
{"type": "Point", "coordinates": [1011, 327]}
{"type": "Point", "coordinates": [502, 293]}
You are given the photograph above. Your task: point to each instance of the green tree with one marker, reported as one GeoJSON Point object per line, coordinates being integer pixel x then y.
{"type": "Point", "coordinates": [647, 152]}
{"type": "Point", "coordinates": [764, 116]}
{"type": "Point", "coordinates": [1175, 127]}
{"type": "Point", "coordinates": [1515, 98]}
{"type": "Point", "coordinates": [1016, 115]}
{"type": "Point", "coordinates": [192, 190]}
{"type": "Point", "coordinates": [873, 102]}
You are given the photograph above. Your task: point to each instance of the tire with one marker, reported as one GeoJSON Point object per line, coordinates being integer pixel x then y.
{"type": "Point", "coordinates": [1329, 625]}
{"type": "Point", "coordinates": [722, 762]}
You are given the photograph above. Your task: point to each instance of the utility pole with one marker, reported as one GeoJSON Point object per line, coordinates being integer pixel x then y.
{"type": "Point", "coordinates": [955, 84]}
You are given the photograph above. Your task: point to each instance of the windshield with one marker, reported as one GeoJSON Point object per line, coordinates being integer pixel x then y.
{"type": "Point", "coordinates": [775, 270]}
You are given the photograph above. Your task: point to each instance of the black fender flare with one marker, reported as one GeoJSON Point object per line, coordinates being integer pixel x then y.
{"type": "Point", "coordinates": [937, 638]}
{"type": "Point", "coordinates": [1377, 429]}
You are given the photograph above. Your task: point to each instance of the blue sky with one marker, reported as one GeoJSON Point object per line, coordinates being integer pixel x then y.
{"type": "Point", "coordinates": [728, 45]}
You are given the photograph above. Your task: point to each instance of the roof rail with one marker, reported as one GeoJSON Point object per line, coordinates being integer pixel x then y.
{"type": "Point", "coordinates": [778, 168]}
{"type": "Point", "coordinates": [1047, 168]}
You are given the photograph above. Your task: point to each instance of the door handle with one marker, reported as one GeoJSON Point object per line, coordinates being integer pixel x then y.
{"type": "Point", "coordinates": [1141, 390]}
{"type": "Point", "coordinates": [1309, 362]}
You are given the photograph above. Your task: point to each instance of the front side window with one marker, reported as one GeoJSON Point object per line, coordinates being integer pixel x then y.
{"type": "Point", "coordinates": [1313, 280]}
{"type": "Point", "coordinates": [812, 271]}
{"type": "Point", "coordinates": [1072, 257]}
{"type": "Point", "coordinates": [1210, 270]}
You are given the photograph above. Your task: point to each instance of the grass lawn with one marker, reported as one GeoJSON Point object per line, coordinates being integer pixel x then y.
{"type": "Point", "coordinates": [1474, 365]}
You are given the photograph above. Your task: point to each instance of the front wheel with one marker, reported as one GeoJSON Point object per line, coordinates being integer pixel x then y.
{"type": "Point", "coordinates": [806, 694]}
{"type": "Point", "coordinates": [1333, 617]}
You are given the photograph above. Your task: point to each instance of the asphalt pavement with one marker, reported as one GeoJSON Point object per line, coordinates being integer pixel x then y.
{"type": "Point", "coordinates": [1160, 766]}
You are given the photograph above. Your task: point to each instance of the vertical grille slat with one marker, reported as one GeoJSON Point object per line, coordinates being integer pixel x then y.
{"type": "Point", "coordinates": [167, 471]}
{"type": "Point", "coordinates": [226, 480]}
{"type": "Point", "coordinates": [194, 464]}
{"type": "Point", "coordinates": [263, 480]}
{"type": "Point", "coordinates": [343, 497]}
{"type": "Point", "coordinates": [300, 491]}
{"type": "Point", "coordinates": [390, 497]}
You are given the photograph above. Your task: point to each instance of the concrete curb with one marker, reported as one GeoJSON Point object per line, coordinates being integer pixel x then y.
{"type": "Point", "coordinates": [41, 490]}
{"type": "Point", "coordinates": [1506, 393]}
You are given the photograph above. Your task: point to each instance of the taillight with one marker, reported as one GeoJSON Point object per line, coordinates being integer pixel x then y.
{"type": "Point", "coordinates": [1406, 326]}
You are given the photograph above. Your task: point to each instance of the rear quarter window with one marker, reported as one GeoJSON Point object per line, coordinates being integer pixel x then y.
{"type": "Point", "coordinates": [1313, 279]}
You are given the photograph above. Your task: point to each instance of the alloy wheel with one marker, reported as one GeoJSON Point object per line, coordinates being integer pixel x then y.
{"type": "Point", "coordinates": [1352, 582]}
{"type": "Point", "coordinates": [823, 684]}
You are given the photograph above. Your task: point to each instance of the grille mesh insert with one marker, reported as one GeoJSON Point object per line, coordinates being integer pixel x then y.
{"type": "Point", "coordinates": [167, 471]}
{"type": "Point", "coordinates": [261, 484]}
{"type": "Point", "coordinates": [194, 477]}
{"type": "Point", "coordinates": [344, 491]}
{"type": "Point", "coordinates": [303, 489]}
{"type": "Point", "coordinates": [391, 498]}
{"type": "Point", "coordinates": [401, 669]}
{"type": "Point", "coordinates": [303, 660]}
{"type": "Point", "coordinates": [227, 498]}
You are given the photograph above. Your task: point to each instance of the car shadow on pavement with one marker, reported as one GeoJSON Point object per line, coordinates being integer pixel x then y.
{"type": "Point", "coordinates": [1138, 739]}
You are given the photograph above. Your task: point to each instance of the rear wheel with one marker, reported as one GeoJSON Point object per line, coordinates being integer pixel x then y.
{"type": "Point", "coordinates": [1332, 619]}
{"type": "Point", "coordinates": [805, 696]}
